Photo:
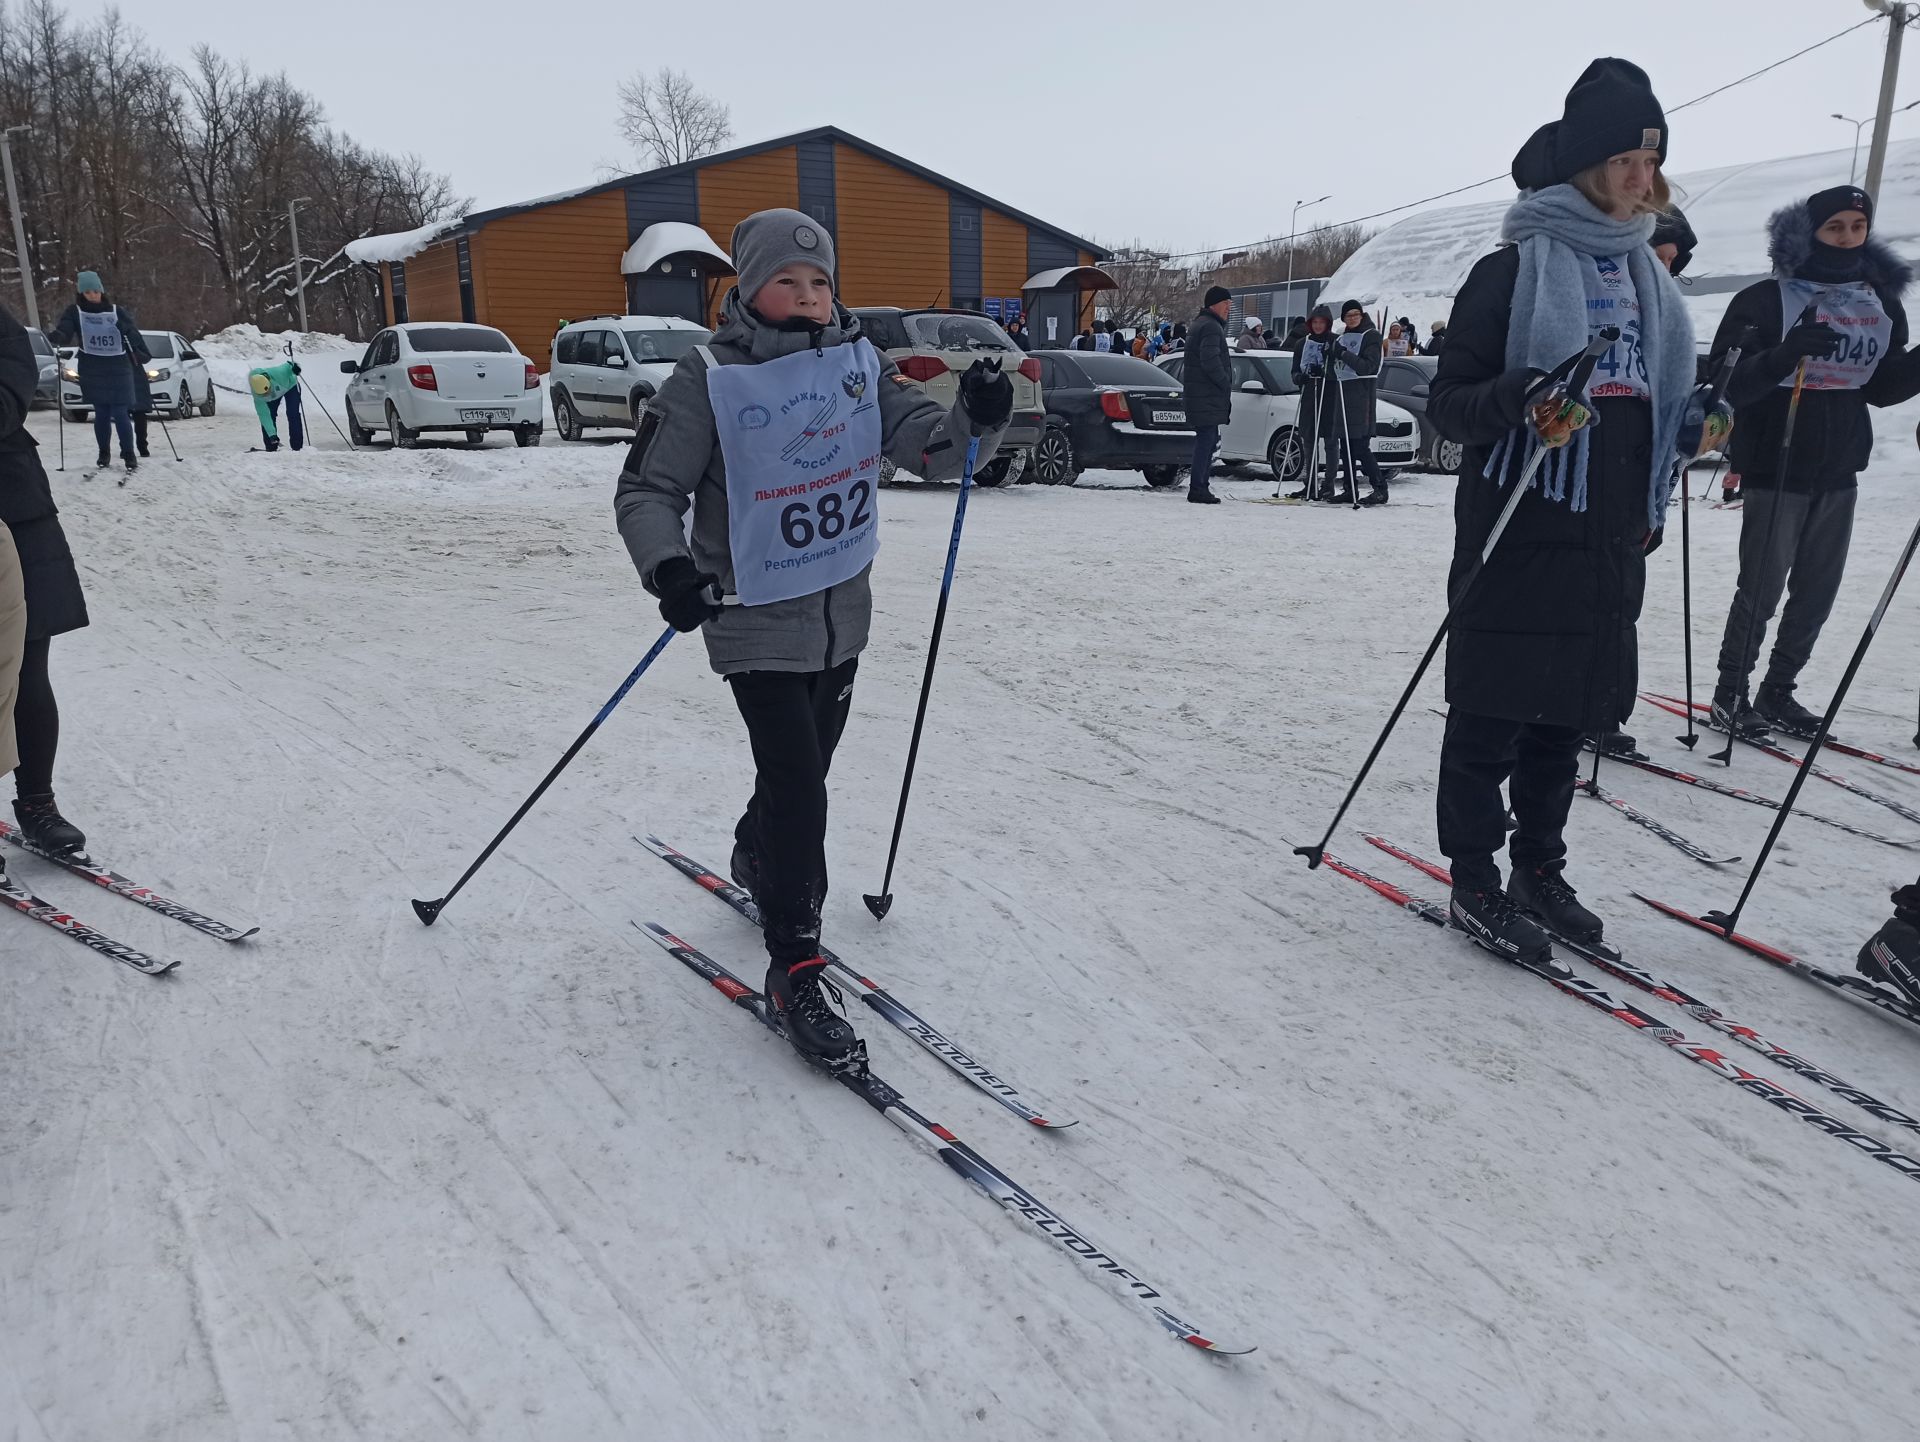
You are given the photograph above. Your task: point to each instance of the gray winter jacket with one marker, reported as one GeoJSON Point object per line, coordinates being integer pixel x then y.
{"type": "Point", "coordinates": [676, 460]}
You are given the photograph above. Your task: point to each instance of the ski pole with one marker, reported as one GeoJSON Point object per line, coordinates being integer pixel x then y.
{"type": "Point", "coordinates": [1714, 397]}
{"type": "Point", "coordinates": [328, 414]}
{"type": "Point", "coordinates": [1573, 373]}
{"type": "Point", "coordinates": [1727, 921]}
{"type": "Point", "coordinates": [429, 911]}
{"type": "Point", "coordinates": [881, 904]}
{"type": "Point", "coordinates": [60, 414]}
{"type": "Point", "coordinates": [1725, 758]}
{"type": "Point", "coordinates": [169, 435]}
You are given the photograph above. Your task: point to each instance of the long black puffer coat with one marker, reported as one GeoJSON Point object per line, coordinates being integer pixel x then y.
{"type": "Point", "coordinates": [55, 602]}
{"type": "Point", "coordinates": [1208, 374]}
{"type": "Point", "coordinates": [1547, 634]}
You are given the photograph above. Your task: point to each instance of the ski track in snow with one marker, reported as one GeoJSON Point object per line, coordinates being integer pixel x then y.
{"type": "Point", "coordinates": [520, 1176]}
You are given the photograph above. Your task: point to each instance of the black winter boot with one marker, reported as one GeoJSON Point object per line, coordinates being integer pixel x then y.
{"type": "Point", "coordinates": [1202, 495]}
{"type": "Point", "coordinates": [1736, 717]}
{"type": "Point", "coordinates": [1493, 921]}
{"type": "Point", "coordinates": [131, 461]}
{"type": "Point", "coordinates": [1547, 895]}
{"type": "Point", "coordinates": [43, 827]}
{"type": "Point", "coordinates": [744, 868]}
{"type": "Point", "coordinates": [1891, 957]}
{"type": "Point", "coordinates": [105, 460]}
{"type": "Point", "coordinates": [1618, 743]}
{"type": "Point", "coordinates": [1375, 497]}
{"type": "Point", "coordinates": [1775, 705]}
{"type": "Point", "coordinates": [798, 996]}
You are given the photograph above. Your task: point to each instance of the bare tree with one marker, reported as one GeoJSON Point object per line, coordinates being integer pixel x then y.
{"type": "Point", "coordinates": [1151, 287]}
{"type": "Point", "coordinates": [667, 121]}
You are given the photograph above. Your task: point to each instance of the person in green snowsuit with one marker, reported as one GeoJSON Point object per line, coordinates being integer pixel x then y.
{"type": "Point", "coordinates": [271, 384]}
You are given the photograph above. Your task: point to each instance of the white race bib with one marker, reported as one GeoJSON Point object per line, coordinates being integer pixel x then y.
{"type": "Point", "coordinates": [100, 333]}
{"type": "Point", "coordinates": [801, 439]}
{"type": "Point", "coordinates": [1612, 300]}
{"type": "Point", "coordinates": [1313, 353]}
{"type": "Point", "coordinates": [1350, 341]}
{"type": "Point", "coordinates": [1855, 311]}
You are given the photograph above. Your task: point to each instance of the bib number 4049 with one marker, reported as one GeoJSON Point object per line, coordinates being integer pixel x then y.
{"type": "Point", "coordinates": [828, 518]}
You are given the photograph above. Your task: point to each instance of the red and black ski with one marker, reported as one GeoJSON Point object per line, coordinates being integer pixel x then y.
{"type": "Point", "coordinates": [25, 902]}
{"type": "Point", "coordinates": [82, 865]}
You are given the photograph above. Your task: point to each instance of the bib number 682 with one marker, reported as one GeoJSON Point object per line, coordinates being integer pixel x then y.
{"type": "Point", "coordinates": [828, 518]}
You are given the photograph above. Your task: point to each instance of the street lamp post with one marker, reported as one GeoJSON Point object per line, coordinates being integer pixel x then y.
{"type": "Point", "coordinates": [1857, 124]}
{"type": "Point", "coordinates": [299, 275]}
{"type": "Point", "coordinates": [19, 225]}
{"type": "Point", "coordinates": [1293, 229]}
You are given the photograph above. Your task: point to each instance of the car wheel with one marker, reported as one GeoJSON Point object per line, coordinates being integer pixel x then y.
{"type": "Point", "coordinates": [207, 409]}
{"type": "Point", "coordinates": [1161, 475]}
{"type": "Point", "coordinates": [403, 439]}
{"type": "Point", "coordinates": [74, 417]}
{"type": "Point", "coordinates": [357, 433]}
{"type": "Point", "coordinates": [1053, 458]}
{"type": "Point", "coordinates": [184, 410]}
{"type": "Point", "coordinates": [1448, 456]}
{"type": "Point", "coordinates": [476, 435]}
{"type": "Point", "coordinates": [1284, 454]}
{"type": "Point", "coordinates": [526, 435]}
{"type": "Point", "coordinates": [566, 419]}
{"type": "Point", "coordinates": [993, 472]}
{"type": "Point", "coordinates": [637, 405]}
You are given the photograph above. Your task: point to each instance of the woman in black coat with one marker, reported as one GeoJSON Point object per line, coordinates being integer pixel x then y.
{"type": "Point", "coordinates": [1796, 528]}
{"type": "Point", "coordinates": [1542, 650]}
{"type": "Point", "coordinates": [55, 603]}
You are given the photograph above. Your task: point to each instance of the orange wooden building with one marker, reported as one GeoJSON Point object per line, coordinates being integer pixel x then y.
{"type": "Point", "coordinates": [656, 243]}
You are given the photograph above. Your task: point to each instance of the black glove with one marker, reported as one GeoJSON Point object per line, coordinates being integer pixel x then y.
{"type": "Point", "coordinates": [1316, 372]}
{"type": "Point", "coordinates": [1654, 538]}
{"type": "Point", "coordinates": [1811, 339]}
{"type": "Point", "coordinates": [295, 365]}
{"type": "Point", "coordinates": [683, 589]}
{"type": "Point", "coordinates": [986, 396]}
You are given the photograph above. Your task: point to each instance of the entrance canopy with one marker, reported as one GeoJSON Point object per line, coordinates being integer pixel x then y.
{"type": "Point", "coordinates": [1071, 277]}
{"type": "Point", "coordinates": [667, 239]}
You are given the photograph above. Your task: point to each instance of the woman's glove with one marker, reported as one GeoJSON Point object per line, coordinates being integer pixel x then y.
{"type": "Point", "coordinates": [1809, 340]}
{"type": "Point", "coordinates": [1556, 417]}
{"type": "Point", "coordinates": [986, 395]}
{"type": "Point", "coordinates": [686, 593]}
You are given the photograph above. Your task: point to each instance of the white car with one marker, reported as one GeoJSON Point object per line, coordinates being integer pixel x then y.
{"type": "Point", "coordinates": [1264, 425]}
{"type": "Point", "coordinates": [424, 376]}
{"type": "Point", "coordinates": [604, 369]}
{"type": "Point", "coordinates": [176, 374]}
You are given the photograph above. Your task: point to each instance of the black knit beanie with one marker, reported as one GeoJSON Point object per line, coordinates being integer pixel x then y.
{"type": "Point", "coordinates": [1824, 205]}
{"type": "Point", "coordinates": [1671, 228]}
{"type": "Point", "coordinates": [1347, 305]}
{"type": "Point", "coordinates": [1611, 109]}
{"type": "Point", "coordinates": [1215, 294]}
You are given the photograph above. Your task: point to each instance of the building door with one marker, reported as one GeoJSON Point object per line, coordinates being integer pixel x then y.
{"type": "Point", "coordinates": [1053, 320]}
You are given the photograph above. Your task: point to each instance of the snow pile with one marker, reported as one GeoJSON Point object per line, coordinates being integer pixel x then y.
{"type": "Point", "coordinates": [1417, 266]}
{"type": "Point", "coordinates": [247, 342]}
{"type": "Point", "coordinates": [400, 244]}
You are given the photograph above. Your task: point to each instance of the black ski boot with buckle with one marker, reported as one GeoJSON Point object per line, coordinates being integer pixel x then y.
{"type": "Point", "coordinates": [1546, 895]}
{"type": "Point", "coordinates": [1493, 921]}
{"type": "Point", "coordinates": [44, 828]}
{"type": "Point", "coordinates": [798, 995]}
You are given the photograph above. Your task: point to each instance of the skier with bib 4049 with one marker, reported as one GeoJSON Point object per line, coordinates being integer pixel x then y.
{"type": "Point", "coordinates": [773, 433]}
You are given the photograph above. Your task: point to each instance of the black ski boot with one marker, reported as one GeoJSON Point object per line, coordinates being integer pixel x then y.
{"type": "Point", "coordinates": [1776, 706]}
{"type": "Point", "coordinates": [744, 868]}
{"type": "Point", "coordinates": [1375, 497]}
{"type": "Point", "coordinates": [1493, 920]}
{"type": "Point", "coordinates": [1735, 717]}
{"type": "Point", "coordinates": [1891, 957]}
{"type": "Point", "coordinates": [798, 996]}
{"type": "Point", "coordinates": [1618, 743]}
{"type": "Point", "coordinates": [1202, 496]}
{"type": "Point", "coordinates": [106, 459]}
{"type": "Point", "coordinates": [1547, 895]}
{"type": "Point", "coordinates": [131, 462]}
{"type": "Point", "coordinates": [44, 828]}
{"type": "Point", "coordinates": [1299, 495]}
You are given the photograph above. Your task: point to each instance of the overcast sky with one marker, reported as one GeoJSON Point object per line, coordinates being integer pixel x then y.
{"type": "Point", "coordinates": [1182, 123]}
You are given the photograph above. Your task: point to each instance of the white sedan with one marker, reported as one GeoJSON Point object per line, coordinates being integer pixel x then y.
{"type": "Point", "coordinates": [176, 375]}
{"type": "Point", "coordinates": [1265, 422]}
{"type": "Point", "coordinates": [423, 376]}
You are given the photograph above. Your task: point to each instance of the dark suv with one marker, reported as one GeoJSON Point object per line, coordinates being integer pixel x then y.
{"type": "Point", "coordinates": [1405, 380]}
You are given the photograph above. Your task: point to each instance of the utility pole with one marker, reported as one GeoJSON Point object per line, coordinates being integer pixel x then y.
{"type": "Point", "coordinates": [19, 226]}
{"type": "Point", "coordinates": [1897, 17]}
{"type": "Point", "coordinates": [299, 276]}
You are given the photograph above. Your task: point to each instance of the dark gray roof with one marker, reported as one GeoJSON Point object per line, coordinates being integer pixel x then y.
{"type": "Point", "coordinates": [823, 132]}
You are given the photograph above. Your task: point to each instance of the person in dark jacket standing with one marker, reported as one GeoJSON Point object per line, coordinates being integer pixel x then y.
{"type": "Point", "coordinates": [1356, 374]}
{"type": "Point", "coordinates": [1796, 526]}
{"type": "Point", "coordinates": [1436, 339]}
{"type": "Point", "coordinates": [54, 601]}
{"type": "Point", "coordinates": [1208, 378]}
{"type": "Point", "coordinates": [104, 336]}
{"type": "Point", "coordinates": [1543, 649]}
{"type": "Point", "coordinates": [142, 403]}
{"type": "Point", "coordinates": [1319, 410]}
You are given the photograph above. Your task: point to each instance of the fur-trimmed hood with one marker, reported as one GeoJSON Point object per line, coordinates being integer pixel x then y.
{"type": "Point", "coordinates": [1790, 242]}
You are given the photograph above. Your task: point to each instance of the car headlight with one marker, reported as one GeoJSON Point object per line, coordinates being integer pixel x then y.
{"type": "Point", "coordinates": [70, 373]}
{"type": "Point", "coordinates": [158, 373]}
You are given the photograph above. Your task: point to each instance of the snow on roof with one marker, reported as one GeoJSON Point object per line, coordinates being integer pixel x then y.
{"type": "Point", "coordinates": [399, 244]}
{"type": "Point", "coordinates": [669, 237]}
{"type": "Point", "coordinates": [1416, 267]}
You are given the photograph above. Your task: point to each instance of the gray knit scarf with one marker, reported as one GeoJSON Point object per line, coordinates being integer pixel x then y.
{"type": "Point", "coordinates": [1557, 229]}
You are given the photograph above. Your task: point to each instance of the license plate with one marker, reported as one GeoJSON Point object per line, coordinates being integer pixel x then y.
{"type": "Point", "coordinates": [1169, 418]}
{"type": "Point", "coordinates": [486, 415]}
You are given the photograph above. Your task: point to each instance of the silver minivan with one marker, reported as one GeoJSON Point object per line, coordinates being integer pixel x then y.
{"type": "Point", "coordinates": [606, 367]}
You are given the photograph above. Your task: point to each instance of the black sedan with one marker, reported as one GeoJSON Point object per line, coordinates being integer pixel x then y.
{"type": "Point", "coordinates": [1109, 412]}
{"type": "Point", "coordinates": [1405, 380]}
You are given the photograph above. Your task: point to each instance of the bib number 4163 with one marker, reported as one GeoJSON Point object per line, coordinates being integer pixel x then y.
{"type": "Point", "coordinates": [828, 518]}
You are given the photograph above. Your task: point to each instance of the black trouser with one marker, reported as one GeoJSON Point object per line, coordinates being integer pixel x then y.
{"type": "Point", "coordinates": [36, 722]}
{"type": "Point", "coordinates": [794, 720]}
{"type": "Point", "coordinates": [1477, 756]}
{"type": "Point", "coordinates": [1206, 440]}
{"type": "Point", "coordinates": [140, 431]}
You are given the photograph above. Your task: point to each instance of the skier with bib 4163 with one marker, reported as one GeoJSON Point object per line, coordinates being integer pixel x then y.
{"type": "Point", "coordinates": [773, 433]}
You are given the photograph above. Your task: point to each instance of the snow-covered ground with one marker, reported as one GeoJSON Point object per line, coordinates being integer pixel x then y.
{"type": "Point", "coordinates": [522, 1176]}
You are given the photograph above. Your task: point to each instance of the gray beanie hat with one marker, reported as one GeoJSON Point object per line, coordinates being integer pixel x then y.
{"type": "Point", "coordinates": [768, 240]}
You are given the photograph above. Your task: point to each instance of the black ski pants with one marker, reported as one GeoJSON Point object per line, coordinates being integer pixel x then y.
{"type": "Point", "coordinates": [794, 720]}
{"type": "Point", "coordinates": [1805, 558]}
{"type": "Point", "coordinates": [36, 722]}
{"type": "Point", "coordinates": [1540, 765]}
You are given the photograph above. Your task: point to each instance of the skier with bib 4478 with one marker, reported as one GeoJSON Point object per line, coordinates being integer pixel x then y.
{"type": "Point", "coordinates": [773, 434]}
{"type": "Point", "coordinates": [1543, 649]}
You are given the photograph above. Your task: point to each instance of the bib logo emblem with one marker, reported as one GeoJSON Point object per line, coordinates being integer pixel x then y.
{"type": "Point", "coordinates": [1609, 271]}
{"type": "Point", "coordinates": [854, 383]}
{"type": "Point", "coordinates": [754, 418]}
